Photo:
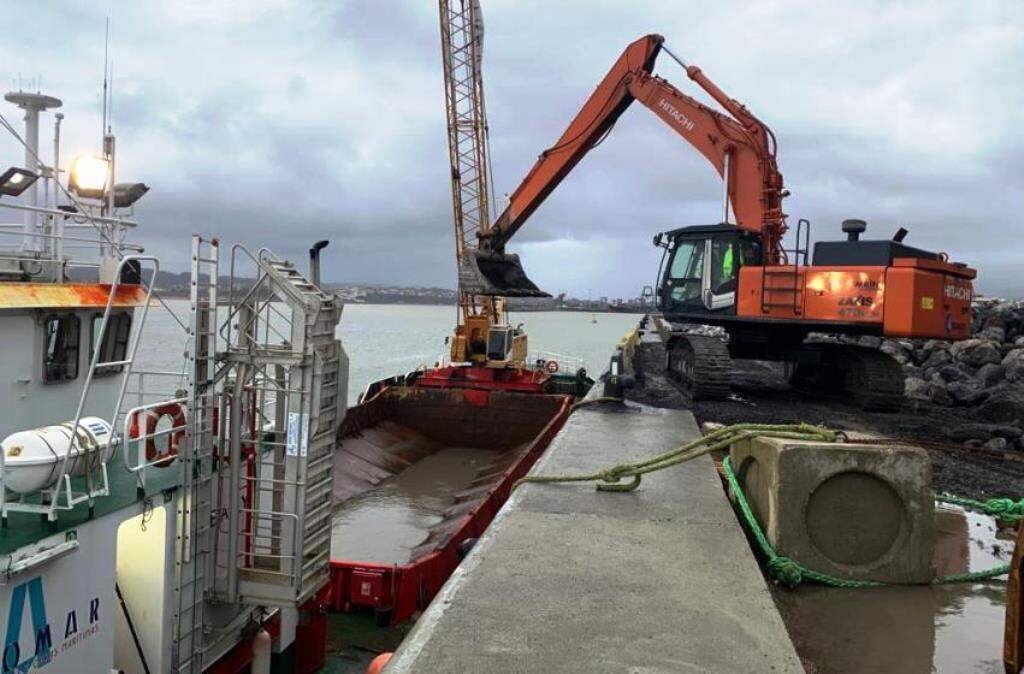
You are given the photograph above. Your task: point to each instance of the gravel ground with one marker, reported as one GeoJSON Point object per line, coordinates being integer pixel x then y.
{"type": "Point", "coordinates": [761, 395]}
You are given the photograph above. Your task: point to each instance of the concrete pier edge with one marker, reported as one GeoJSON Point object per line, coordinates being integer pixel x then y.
{"type": "Point", "coordinates": [569, 579]}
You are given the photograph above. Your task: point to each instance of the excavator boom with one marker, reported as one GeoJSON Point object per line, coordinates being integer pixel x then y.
{"type": "Point", "coordinates": [738, 145]}
{"type": "Point", "coordinates": [609, 100]}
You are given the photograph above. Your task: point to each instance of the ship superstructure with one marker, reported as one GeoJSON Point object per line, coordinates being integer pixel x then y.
{"type": "Point", "coordinates": [154, 518]}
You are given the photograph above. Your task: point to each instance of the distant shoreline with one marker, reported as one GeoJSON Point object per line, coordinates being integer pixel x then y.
{"type": "Point", "coordinates": [604, 308]}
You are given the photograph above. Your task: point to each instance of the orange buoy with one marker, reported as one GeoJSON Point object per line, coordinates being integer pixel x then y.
{"type": "Point", "coordinates": [378, 663]}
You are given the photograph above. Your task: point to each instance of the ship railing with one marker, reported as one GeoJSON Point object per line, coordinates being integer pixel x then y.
{"type": "Point", "coordinates": [152, 385]}
{"type": "Point", "coordinates": [261, 310]}
{"type": "Point", "coordinates": [55, 246]}
{"type": "Point", "coordinates": [140, 438]}
{"type": "Point", "coordinates": [375, 387]}
{"type": "Point", "coordinates": [566, 364]}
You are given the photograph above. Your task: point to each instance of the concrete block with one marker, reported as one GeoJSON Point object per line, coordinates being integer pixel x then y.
{"type": "Point", "coordinates": [853, 511]}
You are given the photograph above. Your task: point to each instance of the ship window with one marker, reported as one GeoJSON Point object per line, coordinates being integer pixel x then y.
{"type": "Point", "coordinates": [60, 353]}
{"type": "Point", "coordinates": [115, 340]}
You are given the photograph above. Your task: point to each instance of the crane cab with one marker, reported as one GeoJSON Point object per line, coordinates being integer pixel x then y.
{"type": "Point", "coordinates": [700, 268]}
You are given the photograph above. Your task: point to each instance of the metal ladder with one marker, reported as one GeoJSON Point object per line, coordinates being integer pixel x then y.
{"type": "Point", "coordinates": [287, 361]}
{"type": "Point", "coordinates": [782, 286]}
{"type": "Point", "coordinates": [195, 521]}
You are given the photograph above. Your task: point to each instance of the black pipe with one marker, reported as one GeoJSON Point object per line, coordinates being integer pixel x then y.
{"type": "Point", "coordinates": [314, 261]}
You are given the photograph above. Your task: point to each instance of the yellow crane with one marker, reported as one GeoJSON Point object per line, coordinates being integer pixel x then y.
{"type": "Point", "coordinates": [482, 336]}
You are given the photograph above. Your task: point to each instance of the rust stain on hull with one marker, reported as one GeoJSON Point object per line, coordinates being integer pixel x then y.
{"type": "Point", "coordinates": [68, 295]}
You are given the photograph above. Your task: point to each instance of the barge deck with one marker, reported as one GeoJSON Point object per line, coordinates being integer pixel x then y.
{"type": "Point", "coordinates": [568, 579]}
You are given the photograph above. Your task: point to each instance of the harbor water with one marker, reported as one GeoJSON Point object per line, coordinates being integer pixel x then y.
{"type": "Point", "coordinates": [384, 340]}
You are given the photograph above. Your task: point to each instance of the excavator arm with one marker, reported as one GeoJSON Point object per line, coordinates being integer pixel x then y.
{"type": "Point", "coordinates": [739, 146]}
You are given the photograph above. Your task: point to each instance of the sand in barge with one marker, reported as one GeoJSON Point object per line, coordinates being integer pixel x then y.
{"type": "Point", "coordinates": [418, 473]}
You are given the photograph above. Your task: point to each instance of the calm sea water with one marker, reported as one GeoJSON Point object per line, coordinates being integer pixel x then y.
{"type": "Point", "coordinates": [382, 340]}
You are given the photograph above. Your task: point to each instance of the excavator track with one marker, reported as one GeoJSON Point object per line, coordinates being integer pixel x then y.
{"type": "Point", "coordinates": [871, 379]}
{"type": "Point", "coordinates": [701, 365]}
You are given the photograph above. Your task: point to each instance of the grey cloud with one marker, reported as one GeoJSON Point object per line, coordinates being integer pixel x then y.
{"type": "Point", "coordinates": [325, 120]}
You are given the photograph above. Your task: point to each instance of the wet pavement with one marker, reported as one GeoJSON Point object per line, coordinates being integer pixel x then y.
{"type": "Point", "coordinates": [948, 628]}
{"type": "Point", "coordinates": [385, 524]}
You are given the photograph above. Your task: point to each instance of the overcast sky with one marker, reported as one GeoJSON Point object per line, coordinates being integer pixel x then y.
{"type": "Point", "coordinates": [277, 123]}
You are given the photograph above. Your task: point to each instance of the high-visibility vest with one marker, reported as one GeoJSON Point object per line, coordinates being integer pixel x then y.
{"type": "Point", "coordinates": [727, 269]}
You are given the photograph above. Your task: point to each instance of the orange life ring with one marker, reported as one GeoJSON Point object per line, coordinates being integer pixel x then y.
{"type": "Point", "coordinates": [551, 366]}
{"type": "Point", "coordinates": [150, 419]}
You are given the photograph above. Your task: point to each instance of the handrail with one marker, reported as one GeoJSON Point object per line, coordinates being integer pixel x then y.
{"type": "Point", "coordinates": [62, 237]}
{"type": "Point", "coordinates": [96, 355]}
{"type": "Point", "coordinates": [56, 212]}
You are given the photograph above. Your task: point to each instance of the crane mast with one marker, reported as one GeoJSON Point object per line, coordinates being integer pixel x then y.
{"type": "Point", "coordinates": [461, 56]}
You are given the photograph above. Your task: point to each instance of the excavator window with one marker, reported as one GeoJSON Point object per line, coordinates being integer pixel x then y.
{"type": "Point", "coordinates": [687, 271]}
{"type": "Point", "coordinates": [724, 265]}
{"type": "Point", "coordinates": [704, 269]}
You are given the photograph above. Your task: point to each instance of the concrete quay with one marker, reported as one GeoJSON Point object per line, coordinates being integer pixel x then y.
{"type": "Point", "coordinates": [568, 579]}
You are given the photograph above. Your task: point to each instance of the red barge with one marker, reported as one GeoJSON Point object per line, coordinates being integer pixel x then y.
{"type": "Point", "coordinates": [424, 462]}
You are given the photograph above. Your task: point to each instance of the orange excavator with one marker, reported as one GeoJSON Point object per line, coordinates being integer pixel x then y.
{"type": "Point", "coordinates": [736, 273]}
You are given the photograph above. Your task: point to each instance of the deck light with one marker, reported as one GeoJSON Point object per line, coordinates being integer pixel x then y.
{"type": "Point", "coordinates": [126, 194]}
{"type": "Point", "coordinates": [16, 180]}
{"type": "Point", "coordinates": [89, 176]}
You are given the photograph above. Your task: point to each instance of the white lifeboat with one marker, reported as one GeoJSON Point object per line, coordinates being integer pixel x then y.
{"type": "Point", "coordinates": [32, 459]}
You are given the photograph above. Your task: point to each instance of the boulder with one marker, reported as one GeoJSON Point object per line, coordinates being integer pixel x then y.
{"type": "Point", "coordinates": [1013, 363]}
{"type": "Point", "coordinates": [938, 393]}
{"type": "Point", "coordinates": [916, 388]}
{"type": "Point", "coordinates": [950, 373]}
{"type": "Point", "coordinates": [990, 374]}
{"type": "Point", "coordinates": [1004, 404]}
{"type": "Point", "coordinates": [967, 393]}
{"type": "Point", "coordinates": [996, 444]}
{"type": "Point", "coordinates": [992, 332]}
{"type": "Point", "coordinates": [976, 352]}
{"type": "Point", "coordinates": [896, 350]}
{"type": "Point", "coordinates": [937, 358]}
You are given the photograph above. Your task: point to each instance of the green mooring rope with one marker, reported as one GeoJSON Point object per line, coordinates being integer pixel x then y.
{"type": "Point", "coordinates": [609, 479]}
{"type": "Point", "coordinates": [785, 570]}
{"type": "Point", "coordinates": [791, 573]}
{"type": "Point", "coordinates": [1005, 509]}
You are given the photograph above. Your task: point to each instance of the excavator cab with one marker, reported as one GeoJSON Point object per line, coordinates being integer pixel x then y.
{"type": "Point", "coordinates": [701, 266]}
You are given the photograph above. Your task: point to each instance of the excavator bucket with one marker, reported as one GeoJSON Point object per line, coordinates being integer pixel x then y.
{"type": "Point", "coordinates": [482, 273]}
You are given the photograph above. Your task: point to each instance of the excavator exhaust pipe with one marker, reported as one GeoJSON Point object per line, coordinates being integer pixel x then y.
{"type": "Point", "coordinates": [484, 273]}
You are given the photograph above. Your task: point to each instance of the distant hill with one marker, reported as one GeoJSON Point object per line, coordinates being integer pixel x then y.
{"type": "Point", "coordinates": [176, 285]}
